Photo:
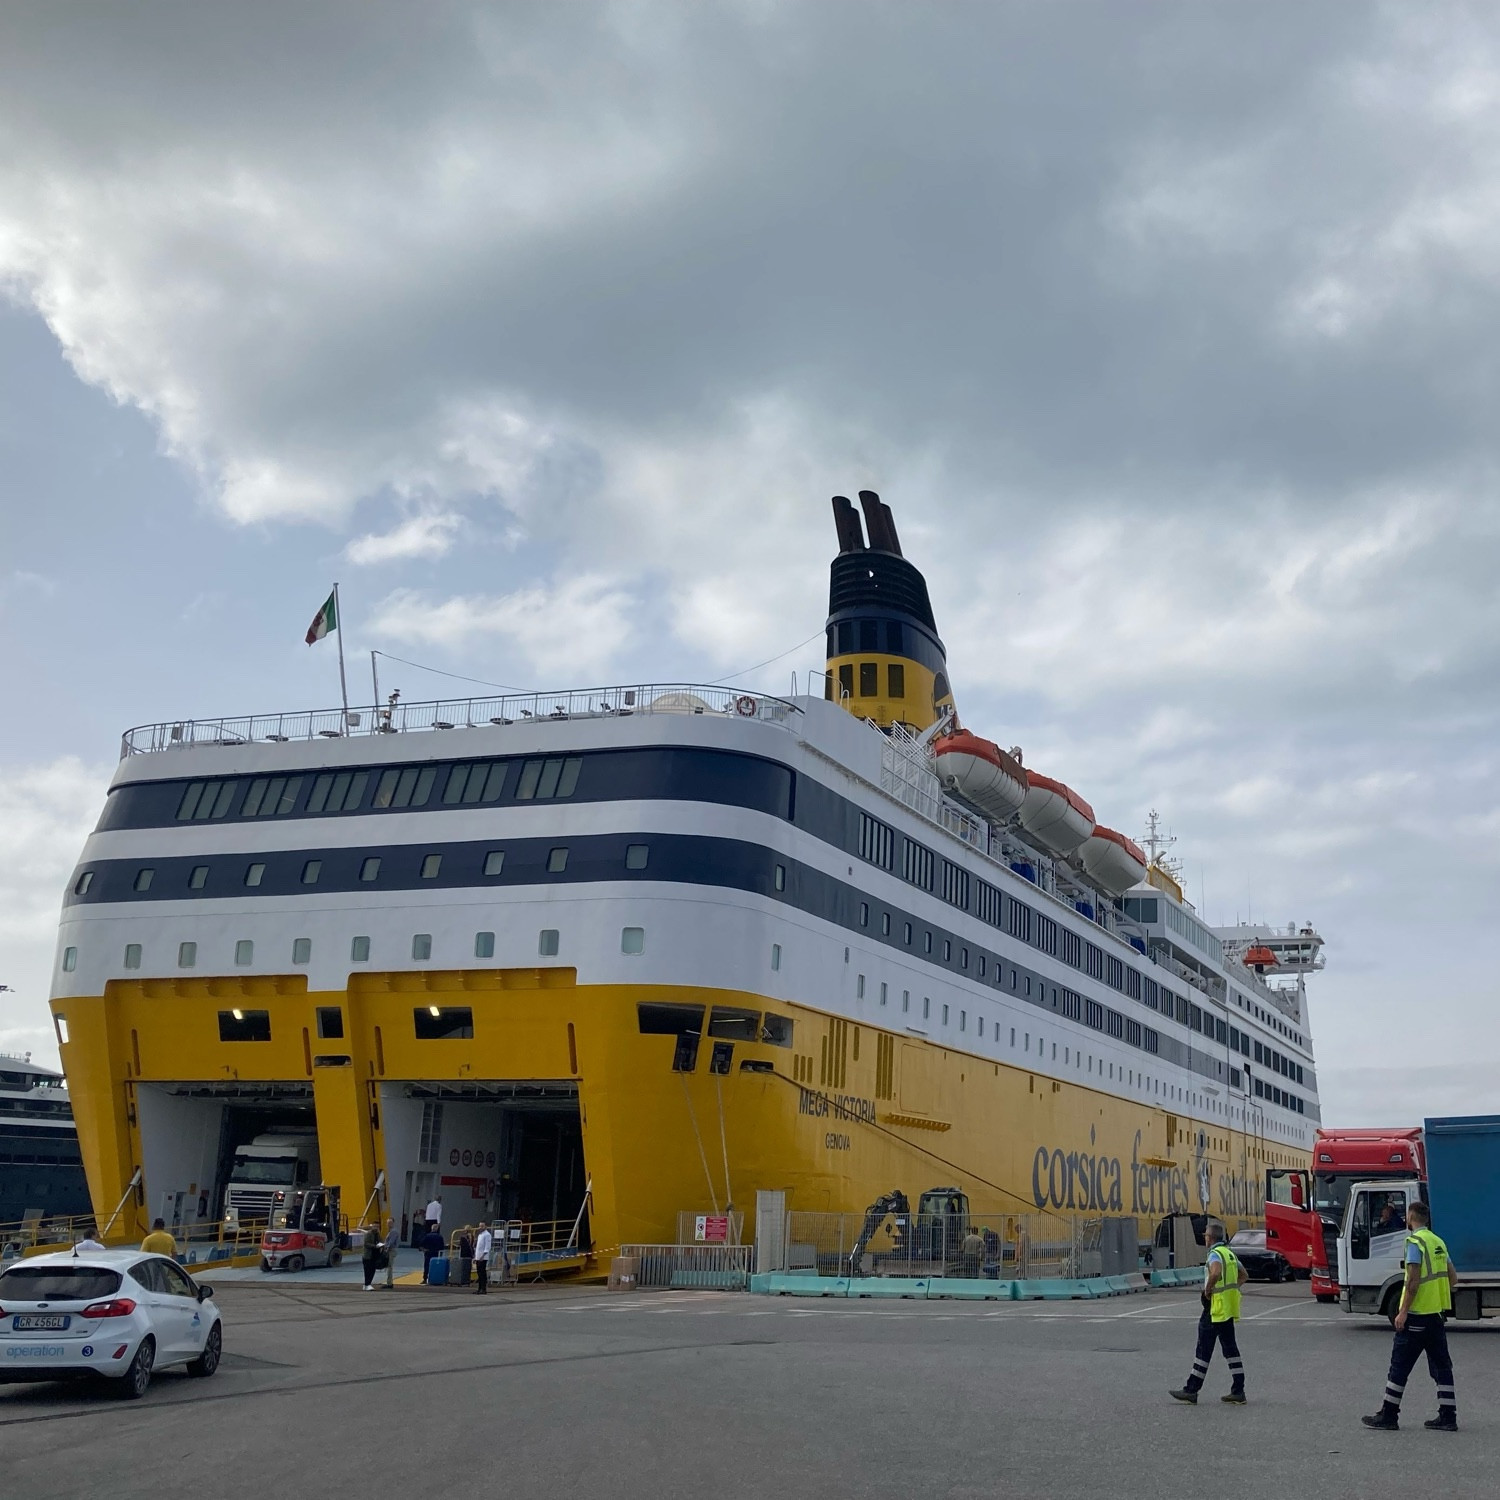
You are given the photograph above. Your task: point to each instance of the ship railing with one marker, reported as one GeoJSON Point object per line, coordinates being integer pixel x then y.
{"type": "Point", "coordinates": [720, 1268]}
{"type": "Point", "coordinates": [198, 1243]}
{"type": "Point", "coordinates": [37, 1230]}
{"type": "Point", "coordinates": [446, 714]}
{"type": "Point", "coordinates": [995, 1247]}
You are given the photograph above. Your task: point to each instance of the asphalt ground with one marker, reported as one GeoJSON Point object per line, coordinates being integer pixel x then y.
{"type": "Point", "coordinates": [437, 1392]}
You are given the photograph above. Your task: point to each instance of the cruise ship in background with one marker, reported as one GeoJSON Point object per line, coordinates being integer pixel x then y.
{"type": "Point", "coordinates": [41, 1170]}
{"type": "Point", "coordinates": [670, 945]}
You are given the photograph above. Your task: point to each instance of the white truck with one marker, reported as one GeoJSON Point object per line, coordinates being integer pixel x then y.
{"type": "Point", "coordinates": [278, 1162]}
{"type": "Point", "coordinates": [1463, 1166]}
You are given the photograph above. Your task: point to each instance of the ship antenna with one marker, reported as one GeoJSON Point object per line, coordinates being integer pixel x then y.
{"type": "Point", "coordinates": [1157, 843]}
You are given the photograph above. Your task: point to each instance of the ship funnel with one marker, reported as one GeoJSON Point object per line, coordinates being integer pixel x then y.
{"type": "Point", "coordinates": [886, 662]}
{"type": "Point", "coordinates": [846, 518]}
{"type": "Point", "coordinates": [880, 523]}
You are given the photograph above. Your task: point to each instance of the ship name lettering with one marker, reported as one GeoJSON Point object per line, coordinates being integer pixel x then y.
{"type": "Point", "coordinates": [839, 1106]}
{"type": "Point", "coordinates": [1076, 1180]}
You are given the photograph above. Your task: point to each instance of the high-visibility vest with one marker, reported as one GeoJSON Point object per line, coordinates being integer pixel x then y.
{"type": "Point", "coordinates": [1226, 1298]}
{"type": "Point", "coordinates": [1433, 1293]}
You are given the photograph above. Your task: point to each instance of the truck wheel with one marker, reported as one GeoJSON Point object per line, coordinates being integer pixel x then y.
{"type": "Point", "coordinates": [133, 1383]}
{"type": "Point", "coordinates": [293, 1263]}
{"type": "Point", "coordinates": [1326, 1296]}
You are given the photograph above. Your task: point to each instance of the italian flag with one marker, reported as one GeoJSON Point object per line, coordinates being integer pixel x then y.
{"type": "Point", "coordinates": [325, 620]}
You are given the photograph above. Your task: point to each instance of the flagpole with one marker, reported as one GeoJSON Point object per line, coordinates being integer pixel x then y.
{"type": "Point", "coordinates": [338, 620]}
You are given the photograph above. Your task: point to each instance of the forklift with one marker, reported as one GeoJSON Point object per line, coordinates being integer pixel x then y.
{"type": "Point", "coordinates": [305, 1230]}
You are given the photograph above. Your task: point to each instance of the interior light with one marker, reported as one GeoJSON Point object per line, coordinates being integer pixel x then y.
{"type": "Point", "coordinates": [239, 1015]}
{"type": "Point", "coordinates": [434, 1010]}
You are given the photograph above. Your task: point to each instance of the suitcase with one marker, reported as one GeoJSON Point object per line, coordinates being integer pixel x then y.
{"type": "Point", "coordinates": [437, 1272]}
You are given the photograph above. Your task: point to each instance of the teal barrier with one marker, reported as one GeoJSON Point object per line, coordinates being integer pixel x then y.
{"type": "Point", "coordinates": [968, 1289]}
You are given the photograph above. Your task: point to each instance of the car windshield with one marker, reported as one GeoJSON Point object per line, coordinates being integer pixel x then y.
{"type": "Point", "coordinates": [269, 1169]}
{"type": "Point", "coordinates": [1249, 1239]}
{"type": "Point", "coordinates": [57, 1284]}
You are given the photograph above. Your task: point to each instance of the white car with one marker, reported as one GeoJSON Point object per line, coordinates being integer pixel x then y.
{"type": "Point", "coordinates": [116, 1313]}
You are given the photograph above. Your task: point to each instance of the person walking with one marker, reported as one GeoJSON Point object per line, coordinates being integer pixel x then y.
{"type": "Point", "coordinates": [159, 1241]}
{"type": "Point", "coordinates": [390, 1247]}
{"type": "Point", "coordinates": [1426, 1296]}
{"type": "Point", "coordinates": [369, 1256]}
{"type": "Point", "coordinates": [482, 1259]}
{"type": "Point", "coordinates": [1221, 1309]}
{"type": "Point", "coordinates": [432, 1248]}
{"type": "Point", "coordinates": [435, 1213]}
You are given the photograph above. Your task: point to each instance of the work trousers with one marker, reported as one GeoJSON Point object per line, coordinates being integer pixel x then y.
{"type": "Point", "coordinates": [390, 1266]}
{"type": "Point", "coordinates": [482, 1271]}
{"type": "Point", "coordinates": [371, 1264]}
{"type": "Point", "coordinates": [1209, 1334]}
{"type": "Point", "coordinates": [1424, 1334]}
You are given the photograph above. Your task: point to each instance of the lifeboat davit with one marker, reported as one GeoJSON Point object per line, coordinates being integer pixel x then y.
{"type": "Point", "coordinates": [1055, 815]}
{"type": "Point", "coordinates": [1113, 860]}
{"type": "Point", "coordinates": [981, 772]}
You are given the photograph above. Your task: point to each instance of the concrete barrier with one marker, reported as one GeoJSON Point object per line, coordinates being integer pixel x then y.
{"type": "Point", "coordinates": [969, 1289]}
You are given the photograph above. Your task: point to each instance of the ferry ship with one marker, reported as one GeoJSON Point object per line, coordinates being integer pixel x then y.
{"type": "Point", "coordinates": [41, 1170]}
{"type": "Point", "coordinates": [662, 946]}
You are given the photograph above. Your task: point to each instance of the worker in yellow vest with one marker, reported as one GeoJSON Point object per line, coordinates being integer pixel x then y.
{"type": "Point", "coordinates": [1426, 1297]}
{"type": "Point", "coordinates": [1223, 1275]}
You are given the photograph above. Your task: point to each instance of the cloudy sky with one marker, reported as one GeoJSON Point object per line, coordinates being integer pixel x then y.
{"type": "Point", "coordinates": [1169, 332]}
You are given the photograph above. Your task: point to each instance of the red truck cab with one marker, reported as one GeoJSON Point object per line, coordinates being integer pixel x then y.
{"type": "Point", "coordinates": [1304, 1209]}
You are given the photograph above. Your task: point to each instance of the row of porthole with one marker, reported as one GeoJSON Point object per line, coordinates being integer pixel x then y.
{"type": "Point", "coordinates": [632, 940]}
{"type": "Point", "coordinates": [636, 856]}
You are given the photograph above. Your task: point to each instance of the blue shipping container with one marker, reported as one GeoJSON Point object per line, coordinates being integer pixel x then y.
{"type": "Point", "coordinates": [1463, 1187]}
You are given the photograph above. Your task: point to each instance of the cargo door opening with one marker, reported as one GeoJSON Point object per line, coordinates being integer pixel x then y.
{"type": "Point", "coordinates": [215, 1155]}
{"type": "Point", "coordinates": [491, 1151]}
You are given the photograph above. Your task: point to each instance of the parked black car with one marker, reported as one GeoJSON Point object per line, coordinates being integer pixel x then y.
{"type": "Point", "coordinates": [1260, 1264]}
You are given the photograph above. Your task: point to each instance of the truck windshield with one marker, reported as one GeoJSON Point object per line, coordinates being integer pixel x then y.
{"type": "Point", "coordinates": [1330, 1194]}
{"type": "Point", "coordinates": [275, 1170]}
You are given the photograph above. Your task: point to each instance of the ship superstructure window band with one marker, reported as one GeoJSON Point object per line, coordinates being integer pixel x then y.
{"type": "Point", "coordinates": [691, 859]}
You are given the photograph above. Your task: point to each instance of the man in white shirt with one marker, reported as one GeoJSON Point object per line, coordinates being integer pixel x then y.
{"type": "Point", "coordinates": [482, 1259]}
{"type": "Point", "coordinates": [88, 1242]}
{"type": "Point", "coordinates": [435, 1214]}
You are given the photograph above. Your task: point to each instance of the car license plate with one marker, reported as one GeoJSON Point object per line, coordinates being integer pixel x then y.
{"type": "Point", "coordinates": [35, 1322]}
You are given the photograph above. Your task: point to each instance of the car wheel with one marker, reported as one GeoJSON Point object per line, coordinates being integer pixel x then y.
{"type": "Point", "coordinates": [293, 1263]}
{"type": "Point", "coordinates": [207, 1362]}
{"type": "Point", "coordinates": [136, 1379]}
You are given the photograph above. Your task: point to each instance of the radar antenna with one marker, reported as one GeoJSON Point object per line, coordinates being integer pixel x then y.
{"type": "Point", "coordinates": [1157, 843]}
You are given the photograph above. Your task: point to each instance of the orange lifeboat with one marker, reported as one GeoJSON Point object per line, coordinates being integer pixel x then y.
{"type": "Point", "coordinates": [1259, 957]}
{"type": "Point", "coordinates": [1115, 861]}
{"type": "Point", "coordinates": [1055, 815]}
{"type": "Point", "coordinates": [981, 772]}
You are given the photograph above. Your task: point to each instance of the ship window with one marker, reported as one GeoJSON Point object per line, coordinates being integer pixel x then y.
{"type": "Point", "coordinates": [885, 924]}
{"type": "Point", "coordinates": [431, 865]}
{"type": "Point", "coordinates": [484, 945]}
{"type": "Point", "coordinates": [480, 782]}
{"type": "Point", "coordinates": [859, 987]}
{"type": "Point", "coordinates": [926, 1006]}
{"type": "Point", "coordinates": [636, 856]}
{"type": "Point", "coordinates": [984, 965]}
{"type": "Point", "coordinates": [963, 1020]}
{"type": "Point", "coordinates": [143, 879]}
{"type": "Point", "coordinates": [359, 950]}
{"type": "Point", "coordinates": [302, 954]}
{"type": "Point", "coordinates": [410, 787]}
{"type": "Point", "coordinates": [340, 791]}
{"type": "Point", "coordinates": [440, 1023]}
{"type": "Point", "coordinates": [846, 637]}
{"type": "Point", "coordinates": [81, 888]}
{"type": "Point", "coordinates": [199, 878]}
{"type": "Point", "coordinates": [494, 861]}
{"type": "Point", "coordinates": [779, 878]}
{"type": "Point", "coordinates": [547, 942]}
{"type": "Point", "coordinates": [846, 680]}
{"type": "Point", "coordinates": [963, 958]}
{"type": "Point", "coordinates": [945, 1015]}
{"type": "Point", "coordinates": [244, 952]}
{"type": "Point", "coordinates": [895, 680]}
{"type": "Point", "coordinates": [669, 1020]}
{"type": "Point", "coordinates": [554, 777]}
{"type": "Point", "coordinates": [557, 860]}
{"type": "Point", "coordinates": [369, 869]}
{"type": "Point", "coordinates": [254, 874]}
{"type": "Point", "coordinates": [632, 940]}
{"type": "Point", "coordinates": [271, 796]}
{"type": "Point", "coordinates": [70, 960]}
{"type": "Point", "coordinates": [869, 635]}
{"type": "Point", "coordinates": [884, 991]}
{"type": "Point", "coordinates": [905, 1001]}
{"type": "Point", "coordinates": [927, 943]}
{"type": "Point", "coordinates": [244, 1026]}
{"type": "Point", "coordinates": [311, 870]}
{"type": "Point", "coordinates": [906, 933]}
{"type": "Point", "coordinates": [869, 679]}
{"type": "Point", "coordinates": [187, 955]}
{"type": "Point", "coordinates": [731, 1023]}
{"type": "Point", "coordinates": [895, 638]}
{"type": "Point", "coordinates": [205, 799]}
{"type": "Point", "coordinates": [132, 955]}
{"type": "Point", "coordinates": [776, 1031]}
{"type": "Point", "coordinates": [775, 955]}
{"type": "Point", "coordinates": [947, 950]}
{"type": "Point", "coordinates": [421, 946]}
{"type": "Point", "coordinates": [864, 913]}
{"type": "Point", "coordinates": [330, 1023]}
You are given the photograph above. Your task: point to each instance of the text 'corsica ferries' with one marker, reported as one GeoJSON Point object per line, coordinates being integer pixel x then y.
{"type": "Point", "coordinates": [666, 946]}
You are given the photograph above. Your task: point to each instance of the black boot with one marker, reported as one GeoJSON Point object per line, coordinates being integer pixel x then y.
{"type": "Point", "coordinates": [1386, 1419]}
{"type": "Point", "coordinates": [1187, 1393]}
{"type": "Point", "coordinates": [1445, 1421]}
{"type": "Point", "coordinates": [1236, 1396]}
